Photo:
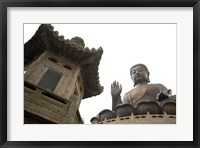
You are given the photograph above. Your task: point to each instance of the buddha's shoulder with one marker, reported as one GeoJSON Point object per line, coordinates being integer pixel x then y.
{"type": "Point", "coordinates": [156, 86]}
{"type": "Point", "coordinates": [128, 93]}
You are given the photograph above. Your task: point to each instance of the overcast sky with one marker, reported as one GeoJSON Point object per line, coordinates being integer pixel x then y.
{"type": "Point", "coordinates": [124, 45]}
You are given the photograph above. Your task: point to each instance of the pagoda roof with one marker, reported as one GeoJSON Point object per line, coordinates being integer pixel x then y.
{"type": "Point", "coordinates": [73, 49]}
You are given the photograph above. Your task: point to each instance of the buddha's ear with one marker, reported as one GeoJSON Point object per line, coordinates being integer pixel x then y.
{"type": "Point", "coordinates": [132, 78]}
{"type": "Point", "coordinates": [148, 80]}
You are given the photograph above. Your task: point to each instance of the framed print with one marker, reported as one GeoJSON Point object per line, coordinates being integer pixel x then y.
{"type": "Point", "coordinates": [60, 60]}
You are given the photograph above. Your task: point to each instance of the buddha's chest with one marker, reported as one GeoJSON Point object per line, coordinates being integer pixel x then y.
{"type": "Point", "coordinates": [146, 92]}
{"type": "Point", "coordinates": [138, 92]}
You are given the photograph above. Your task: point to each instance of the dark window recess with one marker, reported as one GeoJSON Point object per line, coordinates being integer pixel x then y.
{"type": "Point", "coordinates": [68, 67]}
{"type": "Point", "coordinates": [52, 59]}
{"type": "Point", "coordinates": [53, 96]}
{"type": "Point", "coordinates": [49, 80]}
{"type": "Point", "coordinates": [75, 92]}
{"type": "Point", "coordinates": [30, 86]}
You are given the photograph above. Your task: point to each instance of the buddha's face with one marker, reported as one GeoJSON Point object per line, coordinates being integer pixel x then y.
{"type": "Point", "coordinates": [139, 75]}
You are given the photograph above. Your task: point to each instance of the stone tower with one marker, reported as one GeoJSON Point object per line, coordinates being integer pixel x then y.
{"type": "Point", "coordinates": [58, 74]}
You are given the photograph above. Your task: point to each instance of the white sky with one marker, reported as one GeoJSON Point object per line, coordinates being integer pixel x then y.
{"type": "Point", "coordinates": [124, 45]}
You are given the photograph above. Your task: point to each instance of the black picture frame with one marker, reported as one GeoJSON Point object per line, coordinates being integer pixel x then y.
{"type": "Point", "coordinates": [4, 4]}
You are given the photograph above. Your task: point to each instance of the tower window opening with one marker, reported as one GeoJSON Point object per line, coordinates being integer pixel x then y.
{"type": "Point", "coordinates": [50, 80]}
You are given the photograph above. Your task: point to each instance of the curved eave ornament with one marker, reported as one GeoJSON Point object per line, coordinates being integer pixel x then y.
{"type": "Point", "coordinates": [74, 50]}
